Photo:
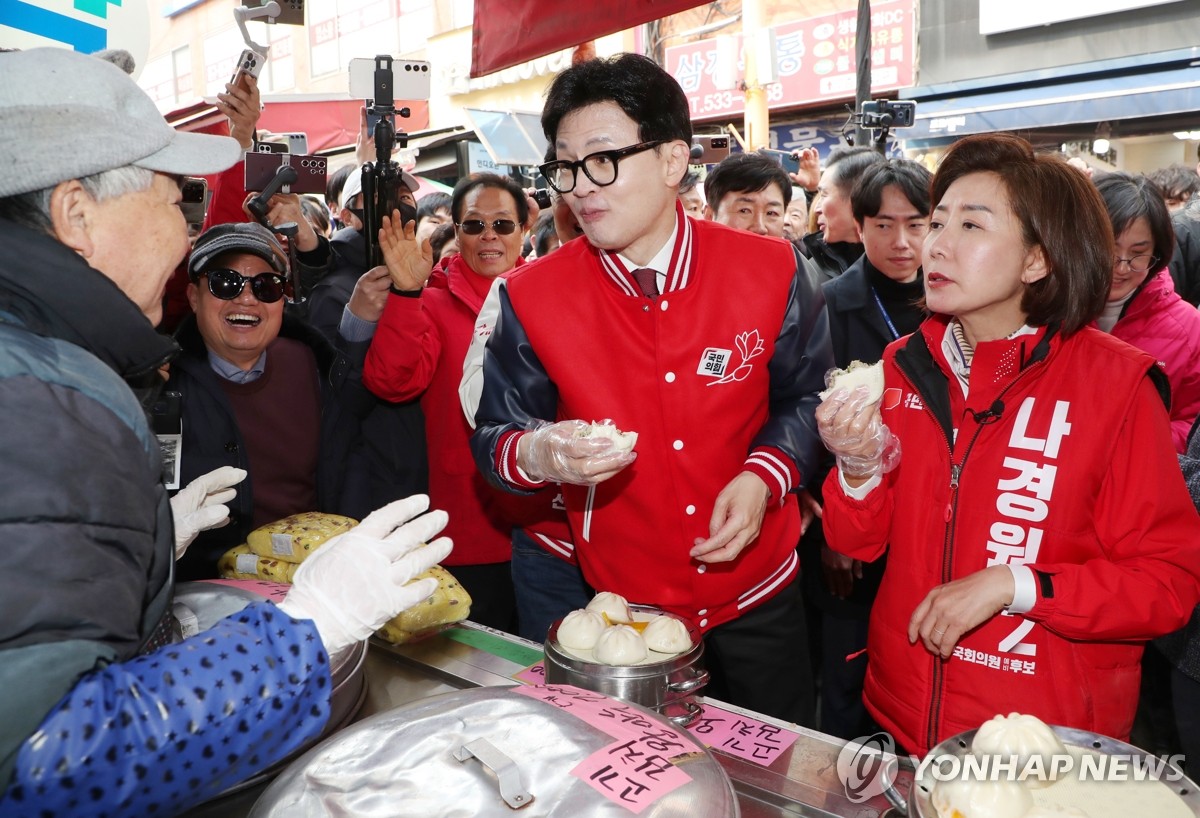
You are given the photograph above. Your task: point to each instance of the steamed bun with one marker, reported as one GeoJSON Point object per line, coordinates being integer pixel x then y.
{"type": "Point", "coordinates": [980, 799]}
{"type": "Point", "coordinates": [611, 605]}
{"type": "Point", "coordinates": [579, 630]}
{"type": "Point", "coordinates": [666, 634]}
{"type": "Point", "coordinates": [855, 375]}
{"type": "Point", "coordinates": [620, 645]}
{"type": "Point", "coordinates": [1019, 735]}
{"type": "Point", "coordinates": [622, 441]}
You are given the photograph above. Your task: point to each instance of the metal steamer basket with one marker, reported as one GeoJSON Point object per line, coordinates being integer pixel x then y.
{"type": "Point", "coordinates": [668, 687]}
{"type": "Point", "coordinates": [494, 751]}
{"type": "Point", "coordinates": [919, 802]}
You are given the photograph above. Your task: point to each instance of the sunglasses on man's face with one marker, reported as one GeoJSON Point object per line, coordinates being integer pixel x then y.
{"type": "Point", "coordinates": [473, 227]}
{"type": "Point", "coordinates": [228, 284]}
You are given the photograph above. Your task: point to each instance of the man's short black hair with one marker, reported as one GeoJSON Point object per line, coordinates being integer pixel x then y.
{"type": "Point", "coordinates": [637, 85]}
{"type": "Point", "coordinates": [912, 178]}
{"type": "Point", "coordinates": [847, 164]}
{"type": "Point", "coordinates": [469, 183]}
{"type": "Point", "coordinates": [745, 173]}
{"type": "Point", "coordinates": [431, 203]}
{"type": "Point", "coordinates": [1175, 181]}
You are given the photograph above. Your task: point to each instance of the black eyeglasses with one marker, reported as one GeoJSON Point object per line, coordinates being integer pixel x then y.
{"type": "Point", "coordinates": [600, 167]}
{"type": "Point", "coordinates": [473, 227]}
{"type": "Point", "coordinates": [228, 285]}
{"type": "Point", "coordinates": [1137, 264]}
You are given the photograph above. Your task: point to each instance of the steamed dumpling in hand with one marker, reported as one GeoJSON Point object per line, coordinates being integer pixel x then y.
{"type": "Point", "coordinates": [611, 605]}
{"type": "Point", "coordinates": [620, 645]}
{"type": "Point", "coordinates": [980, 799]}
{"type": "Point", "coordinates": [666, 634]}
{"type": "Point", "coordinates": [1023, 736]}
{"type": "Point", "coordinates": [579, 630]}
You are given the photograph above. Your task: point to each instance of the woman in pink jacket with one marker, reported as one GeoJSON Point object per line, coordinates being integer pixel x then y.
{"type": "Point", "coordinates": [1143, 308]}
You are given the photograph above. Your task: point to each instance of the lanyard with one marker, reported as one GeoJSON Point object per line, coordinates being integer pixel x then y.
{"type": "Point", "coordinates": [887, 318]}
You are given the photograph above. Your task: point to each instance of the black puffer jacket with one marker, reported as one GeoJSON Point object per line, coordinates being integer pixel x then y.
{"type": "Point", "coordinates": [1182, 647]}
{"type": "Point", "coordinates": [1185, 263]}
{"type": "Point", "coordinates": [211, 437]}
{"type": "Point", "coordinates": [86, 567]}
{"type": "Point", "coordinates": [393, 454]}
{"type": "Point", "coordinates": [828, 261]}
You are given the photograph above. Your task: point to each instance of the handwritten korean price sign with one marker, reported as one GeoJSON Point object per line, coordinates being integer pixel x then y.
{"type": "Point", "coordinates": [636, 769]}
{"type": "Point", "coordinates": [631, 773]}
{"type": "Point", "coordinates": [742, 736]}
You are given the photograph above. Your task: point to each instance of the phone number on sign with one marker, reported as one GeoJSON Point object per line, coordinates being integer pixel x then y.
{"type": "Point", "coordinates": [722, 101]}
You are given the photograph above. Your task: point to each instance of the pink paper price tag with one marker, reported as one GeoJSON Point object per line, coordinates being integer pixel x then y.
{"type": "Point", "coordinates": [741, 736]}
{"type": "Point", "coordinates": [273, 591]}
{"type": "Point", "coordinates": [630, 773]}
{"type": "Point", "coordinates": [616, 718]}
{"type": "Point", "coordinates": [534, 674]}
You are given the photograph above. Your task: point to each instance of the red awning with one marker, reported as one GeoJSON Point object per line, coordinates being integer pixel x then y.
{"type": "Point", "coordinates": [509, 32]}
{"type": "Point", "coordinates": [330, 123]}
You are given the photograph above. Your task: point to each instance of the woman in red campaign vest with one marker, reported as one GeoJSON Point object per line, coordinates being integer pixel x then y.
{"type": "Point", "coordinates": [1037, 526]}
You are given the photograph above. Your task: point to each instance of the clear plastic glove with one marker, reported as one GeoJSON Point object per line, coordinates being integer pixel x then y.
{"type": "Point", "coordinates": [200, 505]}
{"type": "Point", "coordinates": [356, 582]}
{"type": "Point", "coordinates": [556, 453]}
{"type": "Point", "coordinates": [855, 433]}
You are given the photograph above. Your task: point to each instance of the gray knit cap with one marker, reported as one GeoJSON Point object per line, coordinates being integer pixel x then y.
{"type": "Point", "coordinates": [65, 115]}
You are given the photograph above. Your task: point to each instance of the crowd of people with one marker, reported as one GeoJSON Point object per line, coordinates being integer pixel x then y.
{"type": "Point", "coordinates": [1004, 528]}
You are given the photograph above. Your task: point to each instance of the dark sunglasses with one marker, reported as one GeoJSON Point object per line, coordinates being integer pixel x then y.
{"type": "Point", "coordinates": [228, 285]}
{"type": "Point", "coordinates": [473, 227]}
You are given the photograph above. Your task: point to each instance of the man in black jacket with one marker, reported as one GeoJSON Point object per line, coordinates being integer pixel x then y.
{"type": "Point", "coordinates": [835, 245]}
{"type": "Point", "coordinates": [347, 304]}
{"type": "Point", "coordinates": [874, 302]}
{"type": "Point", "coordinates": [261, 391]}
{"type": "Point", "coordinates": [1185, 264]}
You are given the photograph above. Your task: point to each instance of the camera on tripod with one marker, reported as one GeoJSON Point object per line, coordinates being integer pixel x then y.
{"type": "Point", "coordinates": [379, 81]}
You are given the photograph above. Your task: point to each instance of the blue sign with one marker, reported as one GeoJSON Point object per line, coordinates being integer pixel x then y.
{"type": "Point", "coordinates": [79, 34]}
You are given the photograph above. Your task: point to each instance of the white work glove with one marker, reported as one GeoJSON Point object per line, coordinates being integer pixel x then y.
{"type": "Point", "coordinates": [555, 453]}
{"type": "Point", "coordinates": [353, 584]}
{"type": "Point", "coordinates": [199, 506]}
{"type": "Point", "coordinates": [853, 430]}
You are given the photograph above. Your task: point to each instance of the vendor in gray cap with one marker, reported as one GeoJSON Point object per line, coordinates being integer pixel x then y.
{"type": "Point", "coordinates": [262, 393]}
{"type": "Point", "coordinates": [95, 719]}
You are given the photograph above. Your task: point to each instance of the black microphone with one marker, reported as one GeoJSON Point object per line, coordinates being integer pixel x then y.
{"type": "Point", "coordinates": [695, 153]}
{"type": "Point", "coordinates": [989, 415]}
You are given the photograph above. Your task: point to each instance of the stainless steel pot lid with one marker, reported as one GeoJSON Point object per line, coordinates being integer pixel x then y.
{"type": "Point", "coordinates": [547, 751]}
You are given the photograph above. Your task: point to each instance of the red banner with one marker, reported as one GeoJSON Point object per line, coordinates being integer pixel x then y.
{"type": "Point", "coordinates": [509, 32]}
{"type": "Point", "coordinates": [816, 61]}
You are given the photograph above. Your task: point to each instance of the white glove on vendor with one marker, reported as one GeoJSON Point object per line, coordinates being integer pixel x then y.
{"type": "Point", "coordinates": [199, 505]}
{"type": "Point", "coordinates": [356, 582]}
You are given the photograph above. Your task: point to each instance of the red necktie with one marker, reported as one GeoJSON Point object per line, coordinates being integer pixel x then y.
{"type": "Point", "coordinates": [647, 279]}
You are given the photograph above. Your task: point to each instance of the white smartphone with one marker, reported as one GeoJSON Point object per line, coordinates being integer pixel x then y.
{"type": "Point", "coordinates": [410, 79]}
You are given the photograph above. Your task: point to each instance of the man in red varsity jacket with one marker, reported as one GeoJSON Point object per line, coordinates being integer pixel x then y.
{"type": "Point", "coordinates": [710, 343]}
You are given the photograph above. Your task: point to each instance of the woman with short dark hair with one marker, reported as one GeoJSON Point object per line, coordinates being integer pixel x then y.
{"type": "Point", "coordinates": [1143, 308]}
{"type": "Point", "coordinates": [1037, 526]}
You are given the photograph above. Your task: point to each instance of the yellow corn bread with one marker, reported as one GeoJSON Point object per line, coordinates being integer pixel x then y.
{"type": "Point", "coordinates": [449, 603]}
{"type": "Point", "coordinates": [242, 563]}
{"type": "Point", "coordinates": [294, 538]}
